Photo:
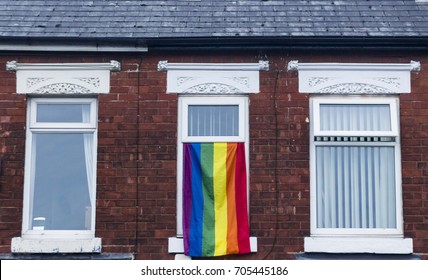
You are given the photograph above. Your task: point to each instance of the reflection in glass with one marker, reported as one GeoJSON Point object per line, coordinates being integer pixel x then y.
{"type": "Point", "coordinates": [62, 171]}
{"type": "Point", "coordinates": [63, 113]}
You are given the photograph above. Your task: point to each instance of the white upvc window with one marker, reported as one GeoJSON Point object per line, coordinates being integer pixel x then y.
{"type": "Point", "coordinates": [213, 107]}
{"type": "Point", "coordinates": [213, 119]}
{"type": "Point", "coordinates": [355, 166]}
{"type": "Point", "coordinates": [355, 161]}
{"type": "Point", "coordinates": [60, 156]}
{"type": "Point", "coordinates": [60, 168]}
{"type": "Point", "coordinates": [209, 119]}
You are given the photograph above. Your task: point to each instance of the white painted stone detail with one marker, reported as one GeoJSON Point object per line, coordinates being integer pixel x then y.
{"type": "Point", "coordinates": [241, 80]}
{"type": "Point", "coordinates": [34, 81]}
{"type": "Point", "coordinates": [317, 81]}
{"type": "Point", "coordinates": [391, 81]}
{"type": "Point", "coordinates": [354, 78]}
{"type": "Point", "coordinates": [55, 245]}
{"type": "Point", "coordinates": [62, 88]}
{"type": "Point", "coordinates": [63, 78]}
{"type": "Point", "coordinates": [182, 80]}
{"type": "Point", "coordinates": [212, 78]}
{"type": "Point", "coordinates": [212, 89]}
{"type": "Point", "coordinates": [354, 88]}
{"type": "Point", "coordinates": [95, 82]}
{"type": "Point", "coordinates": [374, 245]}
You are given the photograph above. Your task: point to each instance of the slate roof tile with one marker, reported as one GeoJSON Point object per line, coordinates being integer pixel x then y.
{"type": "Point", "coordinates": [204, 18]}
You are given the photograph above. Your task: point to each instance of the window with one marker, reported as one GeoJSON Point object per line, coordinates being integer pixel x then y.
{"type": "Point", "coordinates": [59, 199]}
{"type": "Point", "coordinates": [213, 119]}
{"type": "Point", "coordinates": [213, 109]}
{"type": "Point", "coordinates": [213, 135]}
{"type": "Point", "coordinates": [355, 161]}
{"type": "Point", "coordinates": [60, 156]}
{"type": "Point", "coordinates": [355, 166]}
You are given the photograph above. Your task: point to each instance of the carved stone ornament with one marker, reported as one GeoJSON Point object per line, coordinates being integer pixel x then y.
{"type": "Point", "coordinates": [11, 66]}
{"type": "Point", "coordinates": [34, 81]}
{"type": "Point", "coordinates": [163, 65]}
{"type": "Point", "coordinates": [264, 65]}
{"type": "Point", "coordinates": [62, 88]}
{"type": "Point", "coordinates": [212, 89]}
{"type": "Point", "coordinates": [315, 81]}
{"type": "Point", "coordinates": [293, 65]}
{"type": "Point", "coordinates": [354, 88]}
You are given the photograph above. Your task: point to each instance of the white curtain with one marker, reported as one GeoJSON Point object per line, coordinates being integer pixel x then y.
{"type": "Point", "coordinates": [355, 117]}
{"type": "Point", "coordinates": [355, 183]}
{"type": "Point", "coordinates": [355, 187]}
{"type": "Point", "coordinates": [216, 120]}
{"type": "Point", "coordinates": [89, 162]}
{"type": "Point", "coordinates": [32, 177]}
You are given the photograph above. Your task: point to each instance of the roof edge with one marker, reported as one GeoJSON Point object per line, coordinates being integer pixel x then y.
{"type": "Point", "coordinates": [289, 43]}
{"type": "Point", "coordinates": [71, 44]}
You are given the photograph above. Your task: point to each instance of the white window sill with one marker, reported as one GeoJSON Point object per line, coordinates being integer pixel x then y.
{"type": "Point", "coordinates": [376, 245]}
{"type": "Point", "coordinates": [176, 246]}
{"type": "Point", "coordinates": [55, 245]}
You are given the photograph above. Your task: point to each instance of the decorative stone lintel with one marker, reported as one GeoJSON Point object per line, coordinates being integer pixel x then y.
{"type": "Point", "coordinates": [63, 78]}
{"type": "Point", "coordinates": [213, 78]}
{"type": "Point", "coordinates": [354, 78]}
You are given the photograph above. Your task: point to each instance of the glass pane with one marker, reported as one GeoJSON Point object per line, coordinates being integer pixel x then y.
{"type": "Point", "coordinates": [62, 171]}
{"type": "Point", "coordinates": [355, 187]}
{"type": "Point", "coordinates": [213, 120]}
{"type": "Point", "coordinates": [355, 117]}
{"type": "Point", "coordinates": [63, 113]}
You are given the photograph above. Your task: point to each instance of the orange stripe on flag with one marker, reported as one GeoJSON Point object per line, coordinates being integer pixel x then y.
{"type": "Point", "coordinates": [232, 233]}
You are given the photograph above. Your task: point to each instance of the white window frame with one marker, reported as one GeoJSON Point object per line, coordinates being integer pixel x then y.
{"type": "Point", "coordinates": [92, 124]}
{"type": "Point", "coordinates": [393, 102]}
{"type": "Point", "coordinates": [183, 104]}
{"type": "Point", "coordinates": [55, 127]}
{"type": "Point", "coordinates": [242, 104]}
{"type": "Point", "coordinates": [356, 100]}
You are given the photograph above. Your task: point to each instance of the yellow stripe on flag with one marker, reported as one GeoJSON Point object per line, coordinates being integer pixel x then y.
{"type": "Point", "coordinates": [220, 199]}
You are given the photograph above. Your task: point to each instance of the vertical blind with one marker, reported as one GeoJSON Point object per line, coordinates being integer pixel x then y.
{"type": "Point", "coordinates": [356, 182]}
{"type": "Point", "coordinates": [355, 187]}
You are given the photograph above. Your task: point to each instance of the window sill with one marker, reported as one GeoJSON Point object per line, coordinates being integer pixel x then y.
{"type": "Point", "coordinates": [376, 245]}
{"type": "Point", "coordinates": [55, 245]}
{"type": "Point", "coordinates": [176, 246]}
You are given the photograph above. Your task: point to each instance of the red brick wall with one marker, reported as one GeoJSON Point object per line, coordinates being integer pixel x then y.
{"type": "Point", "coordinates": [12, 142]}
{"type": "Point", "coordinates": [137, 152]}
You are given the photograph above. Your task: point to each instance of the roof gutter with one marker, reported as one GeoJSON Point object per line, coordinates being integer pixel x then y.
{"type": "Point", "coordinates": [291, 43]}
{"type": "Point", "coordinates": [71, 45]}
{"type": "Point", "coordinates": [142, 45]}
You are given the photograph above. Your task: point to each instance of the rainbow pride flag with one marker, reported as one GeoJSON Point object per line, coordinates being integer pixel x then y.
{"type": "Point", "coordinates": [215, 216]}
